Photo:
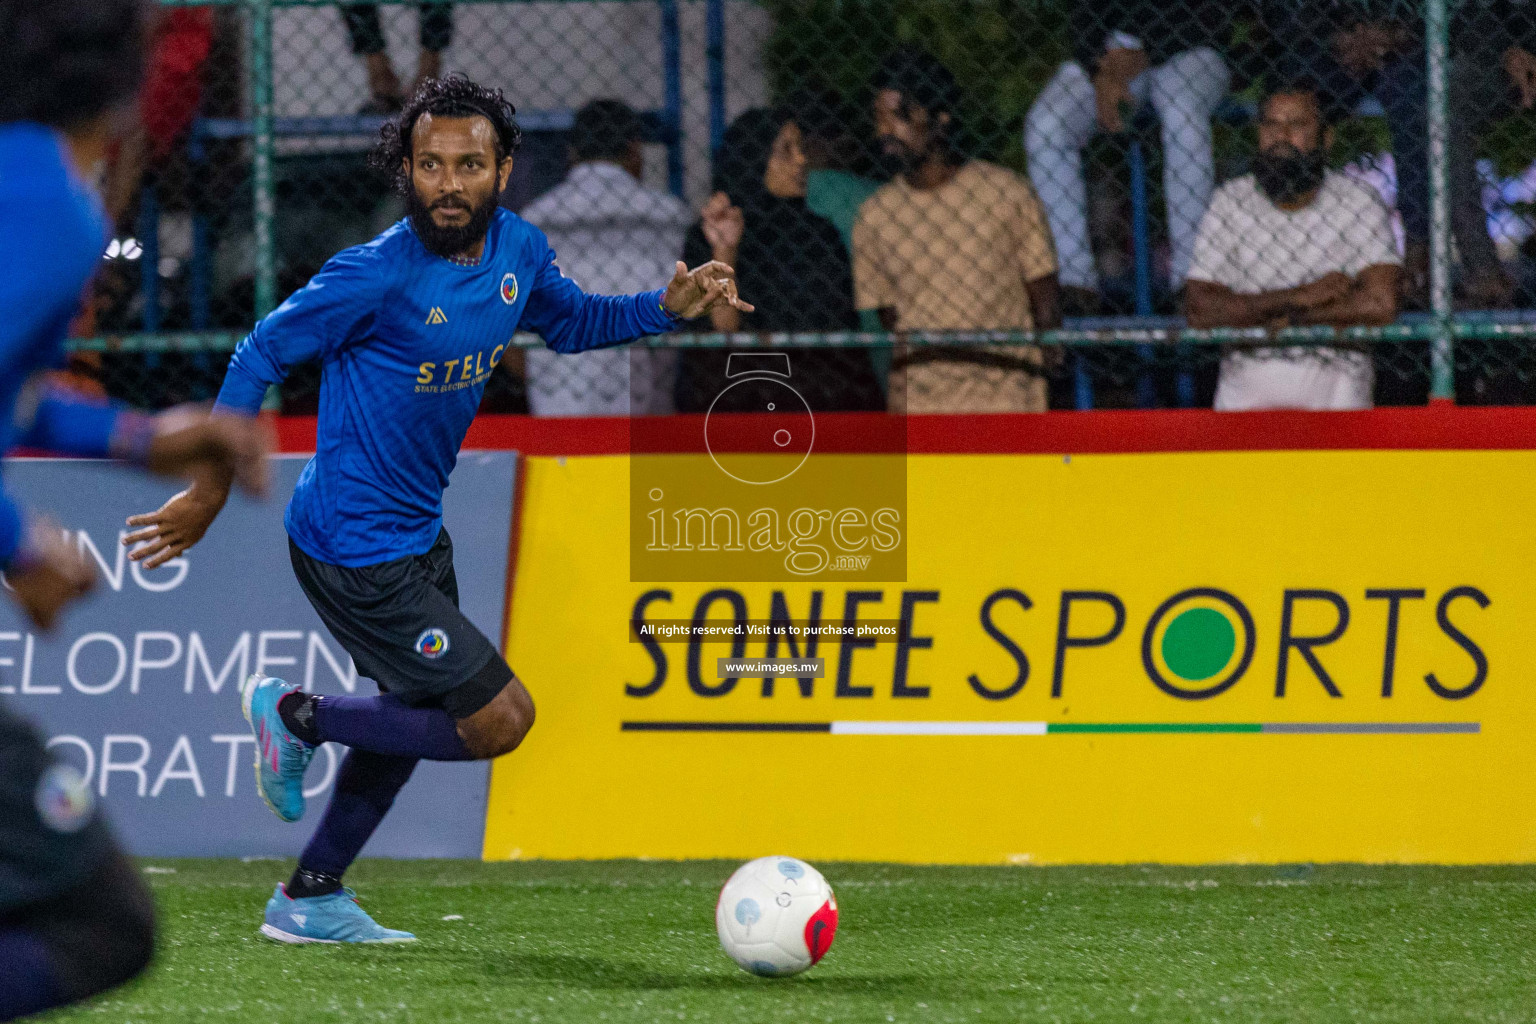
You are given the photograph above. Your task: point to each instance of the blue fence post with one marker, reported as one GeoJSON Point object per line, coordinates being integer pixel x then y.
{"type": "Point", "coordinates": [1141, 242]}
{"type": "Point", "coordinates": [200, 272]}
{"type": "Point", "coordinates": [1082, 385]}
{"type": "Point", "coordinates": [200, 269]}
{"type": "Point", "coordinates": [714, 56]}
{"type": "Point", "coordinates": [672, 89]}
{"type": "Point", "coordinates": [149, 260]}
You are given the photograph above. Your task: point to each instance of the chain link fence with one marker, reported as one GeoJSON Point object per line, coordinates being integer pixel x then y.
{"type": "Point", "coordinates": [935, 205]}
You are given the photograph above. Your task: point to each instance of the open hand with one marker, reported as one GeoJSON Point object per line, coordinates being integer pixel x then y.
{"type": "Point", "coordinates": [170, 530]}
{"type": "Point", "coordinates": [216, 451]}
{"type": "Point", "coordinates": [693, 293]}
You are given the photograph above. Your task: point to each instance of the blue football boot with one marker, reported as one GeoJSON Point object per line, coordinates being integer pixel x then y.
{"type": "Point", "coordinates": [281, 757]}
{"type": "Point", "coordinates": [332, 918]}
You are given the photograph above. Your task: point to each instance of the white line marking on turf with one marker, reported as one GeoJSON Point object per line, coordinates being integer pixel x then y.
{"type": "Point", "coordinates": [938, 728]}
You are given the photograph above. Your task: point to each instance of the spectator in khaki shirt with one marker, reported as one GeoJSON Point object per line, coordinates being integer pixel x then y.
{"type": "Point", "coordinates": [951, 244]}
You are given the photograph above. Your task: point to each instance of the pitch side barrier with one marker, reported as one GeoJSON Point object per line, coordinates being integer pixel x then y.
{"type": "Point", "coordinates": [138, 686]}
{"type": "Point", "coordinates": [1296, 636]}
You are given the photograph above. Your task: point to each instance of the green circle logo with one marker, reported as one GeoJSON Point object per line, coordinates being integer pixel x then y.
{"type": "Point", "coordinates": [1192, 639]}
{"type": "Point", "coordinates": [1198, 643]}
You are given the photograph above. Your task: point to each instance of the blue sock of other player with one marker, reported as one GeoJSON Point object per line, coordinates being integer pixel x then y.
{"type": "Point", "coordinates": [365, 790]}
{"type": "Point", "coordinates": [381, 725]}
{"type": "Point", "coordinates": [27, 980]}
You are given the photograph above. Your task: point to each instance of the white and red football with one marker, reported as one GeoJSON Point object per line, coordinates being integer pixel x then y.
{"type": "Point", "coordinates": [776, 916]}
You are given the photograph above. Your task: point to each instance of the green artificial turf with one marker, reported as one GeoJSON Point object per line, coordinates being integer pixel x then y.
{"type": "Point", "coordinates": [635, 941]}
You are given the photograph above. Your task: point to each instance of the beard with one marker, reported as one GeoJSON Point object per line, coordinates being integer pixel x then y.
{"type": "Point", "coordinates": [894, 157]}
{"type": "Point", "coordinates": [1285, 173]}
{"type": "Point", "coordinates": [449, 241]}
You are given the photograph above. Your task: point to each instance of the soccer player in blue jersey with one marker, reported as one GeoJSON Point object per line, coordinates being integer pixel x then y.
{"type": "Point", "coordinates": [407, 329]}
{"type": "Point", "coordinates": [75, 919]}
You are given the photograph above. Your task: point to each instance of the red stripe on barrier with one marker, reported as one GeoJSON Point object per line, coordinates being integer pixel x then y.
{"type": "Point", "coordinates": [1163, 430]}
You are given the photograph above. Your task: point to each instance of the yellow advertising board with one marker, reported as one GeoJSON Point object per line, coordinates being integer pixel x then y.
{"type": "Point", "coordinates": [1182, 657]}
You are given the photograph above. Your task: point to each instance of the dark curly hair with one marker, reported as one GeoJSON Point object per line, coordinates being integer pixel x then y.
{"type": "Point", "coordinates": [450, 96]}
{"type": "Point", "coordinates": [924, 81]}
{"type": "Point", "coordinates": [920, 78]}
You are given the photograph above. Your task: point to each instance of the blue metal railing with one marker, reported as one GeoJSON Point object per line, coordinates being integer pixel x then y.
{"type": "Point", "coordinates": [263, 129]}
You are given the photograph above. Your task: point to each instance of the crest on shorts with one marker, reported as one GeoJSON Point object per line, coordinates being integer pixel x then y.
{"type": "Point", "coordinates": [63, 799]}
{"type": "Point", "coordinates": [433, 643]}
{"type": "Point", "coordinates": [509, 289]}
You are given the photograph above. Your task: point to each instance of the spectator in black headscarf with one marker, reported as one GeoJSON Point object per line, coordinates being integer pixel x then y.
{"type": "Point", "coordinates": [794, 261]}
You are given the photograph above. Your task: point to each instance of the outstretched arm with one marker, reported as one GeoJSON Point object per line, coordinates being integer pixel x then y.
{"type": "Point", "coordinates": [177, 440]}
{"type": "Point", "coordinates": [335, 308]}
{"type": "Point", "coordinates": [261, 360]}
{"type": "Point", "coordinates": [44, 570]}
{"type": "Point", "coordinates": [570, 320]}
{"type": "Point", "coordinates": [187, 442]}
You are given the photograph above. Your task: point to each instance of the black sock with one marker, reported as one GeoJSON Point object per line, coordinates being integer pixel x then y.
{"type": "Point", "coordinates": [297, 711]}
{"type": "Point", "coordinates": [304, 884]}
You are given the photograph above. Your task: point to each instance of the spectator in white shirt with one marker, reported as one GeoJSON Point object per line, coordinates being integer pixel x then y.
{"type": "Point", "coordinates": [1294, 244]}
{"type": "Point", "coordinates": [612, 236]}
{"type": "Point", "coordinates": [1129, 54]}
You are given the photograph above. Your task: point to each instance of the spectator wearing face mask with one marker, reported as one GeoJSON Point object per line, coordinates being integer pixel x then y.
{"type": "Point", "coordinates": [1294, 244]}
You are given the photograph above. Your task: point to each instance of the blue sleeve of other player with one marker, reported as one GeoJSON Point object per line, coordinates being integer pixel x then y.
{"type": "Point", "coordinates": [570, 320]}
{"type": "Point", "coordinates": [317, 321]}
{"type": "Point", "coordinates": [49, 248]}
{"type": "Point", "coordinates": [70, 424]}
{"type": "Point", "coordinates": [10, 530]}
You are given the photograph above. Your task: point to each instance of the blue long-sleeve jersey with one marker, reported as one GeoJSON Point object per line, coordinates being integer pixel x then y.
{"type": "Point", "coordinates": [52, 233]}
{"type": "Point", "coordinates": [406, 341]}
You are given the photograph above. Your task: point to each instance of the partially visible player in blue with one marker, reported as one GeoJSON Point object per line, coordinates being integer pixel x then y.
{"type": "Point", "coordinates": [75, 919]}
{"type": "Point", "coordinates": [407, 329]}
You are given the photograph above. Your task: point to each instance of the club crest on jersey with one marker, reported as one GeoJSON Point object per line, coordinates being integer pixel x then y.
{"type": "Point", "coordinates": [63, 799]}
{"type": "Point", "coordinates": [509, 289]}
{"type": "Point", "coordinates": [433, 643]}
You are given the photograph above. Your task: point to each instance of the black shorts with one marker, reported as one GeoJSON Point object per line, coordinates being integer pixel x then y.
{"type": "Point", "coordinates": [401, 623]}
{"type": "Point", "coordinates": [51, 834]}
